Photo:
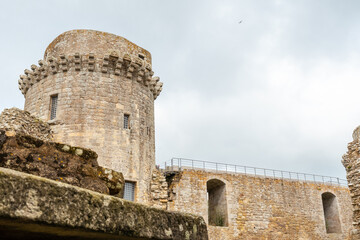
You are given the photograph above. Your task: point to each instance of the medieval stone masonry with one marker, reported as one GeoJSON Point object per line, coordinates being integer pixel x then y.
{"type": "Point", "coordinates": [351, 162]}
{"type": "Point", "coordinates": [96, 90]}
{"type": "Point", "coordinates": [100, 81]}
{"type": "Point", "coordinates": [252, 207]}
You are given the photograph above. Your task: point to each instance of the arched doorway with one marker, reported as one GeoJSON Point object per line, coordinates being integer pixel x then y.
{"type": "Point", "coordinates": [217, 204]}
{"type": "Point", "coordinates": [331, 213]}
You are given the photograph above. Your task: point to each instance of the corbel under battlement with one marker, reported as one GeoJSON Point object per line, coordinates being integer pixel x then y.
{"type": "Point", "coordinates": [135, 69]}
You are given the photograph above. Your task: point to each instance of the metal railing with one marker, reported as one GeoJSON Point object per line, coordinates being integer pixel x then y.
{"type": "Point", "coordinates": [178, 164]}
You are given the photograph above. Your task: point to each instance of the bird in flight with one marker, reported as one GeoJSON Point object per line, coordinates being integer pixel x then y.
{"type": "Point", "coordinates": [240, 21]}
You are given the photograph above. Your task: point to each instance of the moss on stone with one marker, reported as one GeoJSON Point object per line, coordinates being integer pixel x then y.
{"type": "Point", "coordinates": [51, 203]}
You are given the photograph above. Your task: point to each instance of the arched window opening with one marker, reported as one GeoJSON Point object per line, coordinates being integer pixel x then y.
{"type": "Point", "coordinates": [331, 213]}
{"type": "Point", "coordinates": [217, 206]}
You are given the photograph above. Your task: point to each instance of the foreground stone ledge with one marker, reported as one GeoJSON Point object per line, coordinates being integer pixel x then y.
{"type": "Point", "coordinates": [32, 206]}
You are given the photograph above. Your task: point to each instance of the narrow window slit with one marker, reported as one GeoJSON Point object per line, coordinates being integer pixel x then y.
{"type": "Point", "coordinates": [126, 121]}
{"type": "Point", "coordinates": [53, 106]}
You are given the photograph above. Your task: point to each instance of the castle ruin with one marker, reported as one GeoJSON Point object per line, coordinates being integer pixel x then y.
{"type": "Point", "coordinates": [97, 91]}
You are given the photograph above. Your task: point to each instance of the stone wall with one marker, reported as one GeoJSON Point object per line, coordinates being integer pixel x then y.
{"type": "Point", "coordinates": [20, 121]}
{"type": "Point", "coordinates": [32, 207]}
{"type": "Point", "coordinates": [351, 162]}
{"type": "Point", "coordinates": [263, 208]}
{"type": "Point", "coordinates": [159, 190]}
{"type": "Point", "coordinates": [98, 78]}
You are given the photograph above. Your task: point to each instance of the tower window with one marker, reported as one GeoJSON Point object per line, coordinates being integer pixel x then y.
{"type": "Point", "coordinates": [126, 121]}
{"type": "Point", "coordinates": [129, 191]}
{"type": "Point", "coordinates": [142, 56]}
{"type": "Point", "coordinates": [53, 106]}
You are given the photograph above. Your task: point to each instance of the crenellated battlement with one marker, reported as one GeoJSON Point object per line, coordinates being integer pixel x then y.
{"type": "Point", "coordinates": [97, 91]}
{"type": "Point", "coordinates": [132, 68]}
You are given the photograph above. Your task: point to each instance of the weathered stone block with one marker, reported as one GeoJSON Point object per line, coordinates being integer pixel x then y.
{"type": "Point", "coordinates": [32, 207]}
{"type": "Point", "coordinates": [19, 121]}
{"type": "Point", "coordinates": [58, 162]}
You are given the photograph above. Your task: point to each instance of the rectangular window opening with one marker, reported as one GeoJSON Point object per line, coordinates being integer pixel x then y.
{"type": "Point", "coordinates": [126, 121]}
{"type": "Point", "coordinates": [53, 106]}
{"type": "Point", "coordinates": [129, 191]}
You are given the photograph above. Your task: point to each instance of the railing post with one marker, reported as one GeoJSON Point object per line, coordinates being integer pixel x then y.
{"type": "Point", "coordinates": [305, 177]}
{"type": "Point", "coordinates": [314, 177]}
{"type": "Point", "coordinates": [179, 163]}
{"type": "Point", "coordinates": [297, 174]}
{"type": "Point", "coordinates": [264, 172]}
{"type": "Point", "coordinates": [216, 167]}
{"type": "Point", "coordinates": [225, 167]}
{"type": "Point", "coordinates": [165, 166]}
{"type": "Point", "coordinates": [245, 170]}
{"type": "Point", "coordinates": [282, 175]}
{"type": "Point", "coordinates": [338, 180]}
{"type": "Point", "coordinates": [204, 165]}
{"type": "Point", "coordinates": [255, 171]}
{"type": "Point", "coordinates": [192, 164]}
{"type": "Point", "coordinates": [235, 168]}
{"type": "Point", "coordinates": [322, 179]}
{"type": "Point", "coordinates": [273, 173]}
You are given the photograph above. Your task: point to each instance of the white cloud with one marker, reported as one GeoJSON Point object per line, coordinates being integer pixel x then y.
{"type": "Point", "coordinates": [279, 90]}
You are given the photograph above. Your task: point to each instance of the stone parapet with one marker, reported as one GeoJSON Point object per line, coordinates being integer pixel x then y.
{"type": "Point", "coordinates": [98, 42]}
{"type": "Point", "coordinates": [32, 207]}
{"type": "Point", "coordinates": [126, 66]}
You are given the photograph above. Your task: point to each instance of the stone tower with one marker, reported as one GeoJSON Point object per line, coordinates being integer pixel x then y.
{"type": "Point", "coordinates": [97, 91]}
{"type": "Point", "coordinates": [351, 162]}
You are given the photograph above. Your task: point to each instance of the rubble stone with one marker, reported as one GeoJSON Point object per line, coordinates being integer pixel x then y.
{"type": "Point", "coordinates": [351, 162]}
{"type": "Point", "coordinates": [159, 190]}
{"type": "Point", "coordinates": [19, 121]}
{"type": "Point", "coordinates": [55, 161]}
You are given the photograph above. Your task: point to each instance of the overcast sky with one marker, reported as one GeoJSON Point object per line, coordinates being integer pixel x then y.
{"type": "Point", "coordinates": [278, 90]}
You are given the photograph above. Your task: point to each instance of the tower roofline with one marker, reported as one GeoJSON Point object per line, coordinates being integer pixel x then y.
{"type": "Point", "coordinates": [93, 51]}
{"type": "Point", "coordinates": [100, 43]}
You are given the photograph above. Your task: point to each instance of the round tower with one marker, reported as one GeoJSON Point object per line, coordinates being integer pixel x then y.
{"type": "Point", "coordinates": [97, 91]}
